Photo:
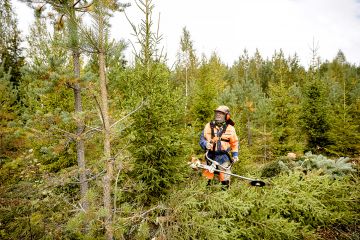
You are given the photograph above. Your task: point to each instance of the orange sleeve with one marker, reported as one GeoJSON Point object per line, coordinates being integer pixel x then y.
{"type": "Point", "coordinates": [234, 142]}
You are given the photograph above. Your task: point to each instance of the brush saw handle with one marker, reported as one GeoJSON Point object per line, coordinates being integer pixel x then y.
{"type": "Point", "coordinates": [216, 164]}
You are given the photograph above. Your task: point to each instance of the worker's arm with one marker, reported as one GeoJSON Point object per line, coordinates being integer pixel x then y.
{"type": "Point", "coordinates": [203, 141]}
{"type": "Point", "coordinates": [234, 144]}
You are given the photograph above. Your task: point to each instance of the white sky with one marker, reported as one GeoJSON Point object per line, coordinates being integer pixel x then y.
{"type": "Point", "coordinates": [228, 27]}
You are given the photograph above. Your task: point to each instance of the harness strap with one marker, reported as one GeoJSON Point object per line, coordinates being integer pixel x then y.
{"type": "Point", "coordinates": [219, 134]}
{"type": "Point", "coordinates": [225, 140]}
{"type": "Point", "coordinates": [212, 126]}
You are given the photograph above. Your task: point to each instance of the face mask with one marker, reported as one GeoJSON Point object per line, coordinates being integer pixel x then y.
{"type": "Point", "coordinates": [219, 117]}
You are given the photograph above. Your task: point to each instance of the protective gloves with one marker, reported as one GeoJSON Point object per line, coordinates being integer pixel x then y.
{"type": "Point", "coordinates": [235, 159]}
{"type": "Point", "coordinates": [209, 145]}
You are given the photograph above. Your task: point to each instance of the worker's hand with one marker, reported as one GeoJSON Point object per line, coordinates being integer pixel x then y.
{"type": "Point", "coordinates": [212, 168]}
{"type": "Point", "coordinates": [209, 145]}
{"type": "Point", "coordinates": [235, 159]}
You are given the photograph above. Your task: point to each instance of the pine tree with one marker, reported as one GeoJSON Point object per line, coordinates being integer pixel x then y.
{"type": "Point", "coordinates": [101, 14]}
{"type": "Point", "coordinates": [45, 101]}
{"type": "Point", "coordinates": [65, 16]}
{"type": "Point", "coordinates": [187, 64]}
{"type": "Point", "coordinates": [97, 39]}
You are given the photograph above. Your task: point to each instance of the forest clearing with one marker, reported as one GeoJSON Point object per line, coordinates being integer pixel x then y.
{"type": "Point", "coordinates": [96, 147]}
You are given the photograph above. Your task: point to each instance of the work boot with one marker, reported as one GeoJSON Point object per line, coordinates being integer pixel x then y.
{"type": "Point", "coordinates": [225, 185]}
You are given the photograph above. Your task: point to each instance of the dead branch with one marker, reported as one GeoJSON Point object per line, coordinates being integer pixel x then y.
{"type": "Point", "coordinates": [132, 112]}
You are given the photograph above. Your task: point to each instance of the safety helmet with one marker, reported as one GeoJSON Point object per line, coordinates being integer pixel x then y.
{"type": "Point", "coordinates": [224, 109]}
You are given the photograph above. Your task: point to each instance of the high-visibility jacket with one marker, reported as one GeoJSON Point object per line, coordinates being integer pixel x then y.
{"type": "Point", "coordinates": [223, 145]}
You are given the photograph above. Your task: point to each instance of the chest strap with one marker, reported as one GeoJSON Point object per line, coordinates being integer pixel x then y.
{"type": "Point", "coordinates": [219, 134]}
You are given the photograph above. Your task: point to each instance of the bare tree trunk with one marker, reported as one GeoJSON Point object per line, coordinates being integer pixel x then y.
{"type": "Point", "coordinates": [107, 147]}
{"type": "Point", "coordinates": [80, 148]}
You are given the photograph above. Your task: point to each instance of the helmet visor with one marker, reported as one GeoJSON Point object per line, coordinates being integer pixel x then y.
{"type": "Point", "coordinates": [219, 117]}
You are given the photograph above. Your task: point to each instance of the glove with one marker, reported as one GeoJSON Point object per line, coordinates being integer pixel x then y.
{"type": "Point", "coordinates": [235, 159]}
{"type": "Point", "coordinates": [209, 145]}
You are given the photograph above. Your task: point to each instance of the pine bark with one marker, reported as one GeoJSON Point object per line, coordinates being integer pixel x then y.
{"type": "Point", "coordinates": [106, 131]}
{"type": "Point", "coordinates": [80, 145]}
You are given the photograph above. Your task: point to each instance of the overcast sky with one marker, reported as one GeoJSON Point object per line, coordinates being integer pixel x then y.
{"type": "Point", "coordinates": [228, 27]}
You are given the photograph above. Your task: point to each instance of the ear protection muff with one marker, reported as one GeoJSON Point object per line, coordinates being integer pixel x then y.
{"type": "Point", "coordinates": [227, 116]}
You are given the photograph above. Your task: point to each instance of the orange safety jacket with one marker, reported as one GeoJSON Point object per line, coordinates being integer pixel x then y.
{"type": "Point", "coordinates": [224, 142]}
{"type": "Point", "coordinates": [228, 141]}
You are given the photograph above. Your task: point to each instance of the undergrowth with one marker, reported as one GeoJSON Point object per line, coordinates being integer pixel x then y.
{"type": "Point", "coordinates": [292, 206]}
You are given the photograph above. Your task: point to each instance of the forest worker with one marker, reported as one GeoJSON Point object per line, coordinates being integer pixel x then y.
{"type": "Point", "coordinates": [220, 139]}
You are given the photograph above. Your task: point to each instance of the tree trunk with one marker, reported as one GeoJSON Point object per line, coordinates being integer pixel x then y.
{"type": "Point", "coordinates": [107, 147]}
{"type": "Point", "coordinates": [80, 148]}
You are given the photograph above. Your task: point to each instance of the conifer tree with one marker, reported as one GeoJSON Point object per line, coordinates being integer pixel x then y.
{"type": "Point", "coordinates": [10, 51]}
{"type": "Point", "coordinates": [66, 17]}
{"type": "Point", "coordinates": [285, 106]}
{"type": "Point", "coordinates": [315, 115]}
{"type": "Point", "coordinates": [46, 111]}
{"type": "Point", "coordinates": [264, 118]}
{"type": "Point", "coordinates": [11, 61]}
{"type": "Point", "coordinates": [244, 93]}
{"type": "Point", "coordinates": [8, 107]}
{"type": "Point", "coordinates": [285, 97]}
{"type": "Point", "coordinates": [97, 40]}
{"type": "Point", "coordinates": [157, 146]}
{"type": "Point", "coordinates": [344, 132]}
{"type": "Point", "coordinates": [101, 17]}
{"type": "Point", "coordinates": [210, 82]}
{"type": "Point", "coordinates": [186, 66]}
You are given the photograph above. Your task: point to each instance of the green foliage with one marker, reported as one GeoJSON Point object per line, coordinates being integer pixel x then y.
{"type": "Point", "coordinates": [158, 135]}
{"type": "Point", "coordinates": [310, 162]}
{"type": "Point", "coordinates": [158, 128]}
{"type": "Point", "coordinates": [315, 115]}
{"type": "Point", "coordinates": [335, 168]}
{"type": "Point", "coordinates": [204, 100]}
{"type": "Point", "coordinates": [285, 106]}
{"type": "Point", "coordinates": [293, 207]}
{"type": "Point", "coordinates": [278, 107]}
{"type": "Point", "coordinates": [11, 57]}
{"type": "Point", "coordinates": [8, 114]}
{"type": "Point", "coordinates": [344, 129]}
{"type": "Point", "coordinates": [30, 204]}
{"type": "Point", "coordinates": [274, 169]}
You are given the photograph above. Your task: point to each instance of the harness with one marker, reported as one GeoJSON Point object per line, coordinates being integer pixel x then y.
{"type": "Point", "coordinates": [218, 143]}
